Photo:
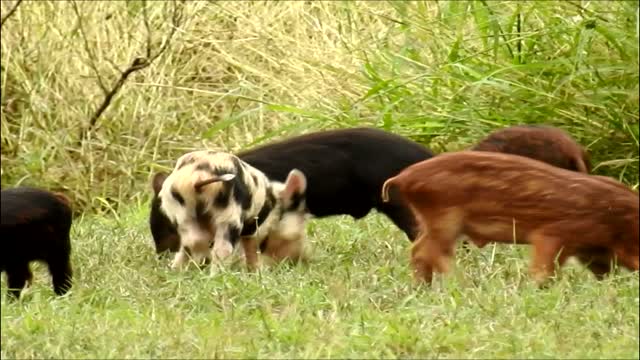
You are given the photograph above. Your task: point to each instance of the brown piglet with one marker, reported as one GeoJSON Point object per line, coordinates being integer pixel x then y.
{"type": "Point", "coordinates": [545, 143]}
{"type": "Point", "coordinates": [505, 198]}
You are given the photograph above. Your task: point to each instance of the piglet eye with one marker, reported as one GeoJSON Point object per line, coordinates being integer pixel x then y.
{"type": "Point", "coordinates": [176, 195]}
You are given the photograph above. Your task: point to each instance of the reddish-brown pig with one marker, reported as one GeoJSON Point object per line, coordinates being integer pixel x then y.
{"type": "Point", "coordinates": [505, 198]}
{"type": "Point", "coordinates": [545, 143]}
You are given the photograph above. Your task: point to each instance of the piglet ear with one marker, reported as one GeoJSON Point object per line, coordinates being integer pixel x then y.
{"type": "Point", "coordinates": [158, 180]}
{"type": "Point", "coordinates": [226, 177]}
{"type": "Point", "coordinates": [223, 178]}
{"type": "Point", "coordinates": [296, 183]}
{"type": "Point", "coordinates": [184, 158]}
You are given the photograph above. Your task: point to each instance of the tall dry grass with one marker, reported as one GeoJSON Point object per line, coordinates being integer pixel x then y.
{"type": "Point", "coordinates": [239, 73]}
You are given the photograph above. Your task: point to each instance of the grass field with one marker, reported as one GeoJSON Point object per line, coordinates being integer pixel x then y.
{"type": "Point", "coordinates": [354, 300]}
{"type": "Point", "coordinates": [239, 73]}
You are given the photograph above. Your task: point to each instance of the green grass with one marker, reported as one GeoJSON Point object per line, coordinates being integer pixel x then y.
{"type": "Point", "coordinates": [241, 73]}
{"type": "Point", "coordinates": [354, 300]}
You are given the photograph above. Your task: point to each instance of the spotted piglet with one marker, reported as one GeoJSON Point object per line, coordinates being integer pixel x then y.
{"type": "Point", "coordinates": [216, 197]}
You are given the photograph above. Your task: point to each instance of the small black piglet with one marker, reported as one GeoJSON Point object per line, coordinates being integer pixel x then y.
{"type": "Point", "coordinates": [35, 227]}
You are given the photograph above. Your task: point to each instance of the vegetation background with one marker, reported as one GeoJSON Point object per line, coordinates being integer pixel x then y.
{"type": "Point", "coordinates": [177, 76]}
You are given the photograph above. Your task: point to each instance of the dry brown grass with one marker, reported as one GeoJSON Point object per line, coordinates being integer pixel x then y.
{"type": "Point", "coordinates": [241, 72]}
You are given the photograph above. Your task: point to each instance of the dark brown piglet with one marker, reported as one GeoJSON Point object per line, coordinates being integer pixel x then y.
{"type": "Point", "coordinates": [544, 143]}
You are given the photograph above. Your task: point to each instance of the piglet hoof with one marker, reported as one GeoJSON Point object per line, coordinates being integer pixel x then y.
{"type": "Point", "coordinates": [420, 280]}
{"type": "Point", "coordinates": [207, 261]}
{"type": "Point", "coordinates": [215, 268]}
{"type": "Point", "coordinates": [14, 295]}
{"type": "Point", "coordinates": [177, 264]}
{"type": "Point", "coordinates": [303, 259]}
{"type": "Point", "coordinates": [29, 282]}
{"type": "Point", "coordinates": [179, 260]}
{"type": "Point", "coordinates": [543, 284]}
{"type": "Point", "coordinates": [541, 278]}
{"type": "Point", "coordinates": [422, 273]}
{"type": "Point", "coordinates": [219, 263]}
{"type": "Point", "coordinates": [254, 266]}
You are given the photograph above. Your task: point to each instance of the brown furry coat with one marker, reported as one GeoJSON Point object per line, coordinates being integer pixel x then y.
{"type": "Point", "coordinates": [494, 197]}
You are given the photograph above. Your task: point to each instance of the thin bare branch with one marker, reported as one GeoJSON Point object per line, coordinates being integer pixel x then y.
{"type": "Point", "coordinates": [87, 48]}
{"type": "Point", "coordinates": [136, 65]}
{"type": "Point", "coordinates": [145, 17]}
{"type": "Point", "coordinates": [587, 11]}
{"type": "Point", "coordinates": [176, 20]}
{"type": "Point", "coordinates": [13, 10]}
{"type": "Point", "coordinates": [114, 66]}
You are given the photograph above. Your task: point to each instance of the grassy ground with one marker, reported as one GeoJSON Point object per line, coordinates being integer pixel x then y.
{"type": "Point", "coordinates": [355, 299]}
{"type": "Point", "coordinates": [239, 73]}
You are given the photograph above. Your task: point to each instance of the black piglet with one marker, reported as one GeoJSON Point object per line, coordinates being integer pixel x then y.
{"type": "Point", "coordinates": [345, 170]}
{"type": "Point", "coordinates": [35, 227]}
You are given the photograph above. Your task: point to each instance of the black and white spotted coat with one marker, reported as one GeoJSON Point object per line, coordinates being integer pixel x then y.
{"type": "Point", "coordinates": [216, 197]}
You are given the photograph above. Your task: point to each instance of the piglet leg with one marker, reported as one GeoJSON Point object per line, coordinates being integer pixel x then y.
{"type": "Point", "coordinates": [62, 274]}
{"type": "Point", "coordinates": [17, 276]}
{"type": "Point", "coordinates": [434, 248]}
{"type": "Point", "coordinates": [281, 249]}
{"type": "Point", "coordinates": [250, 247]}
{"type": "Point", "coordinates": [547, 249]}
